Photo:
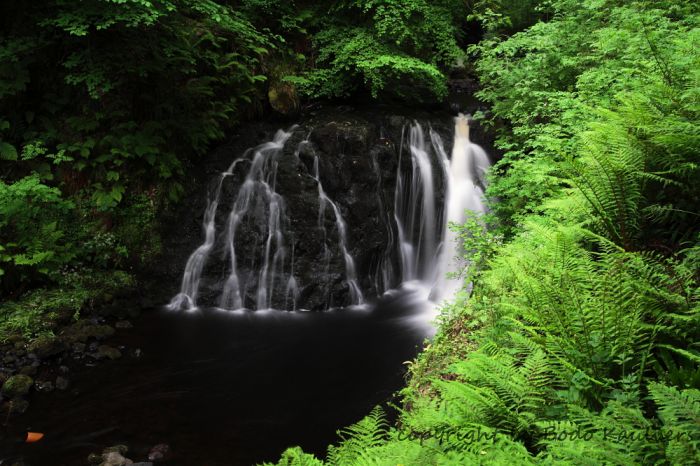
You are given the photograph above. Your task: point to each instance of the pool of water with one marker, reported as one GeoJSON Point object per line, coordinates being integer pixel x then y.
{"type": "Point", "coordinates": [227, 388]}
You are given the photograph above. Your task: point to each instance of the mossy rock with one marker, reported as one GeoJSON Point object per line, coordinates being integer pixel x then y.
{"type": "Point", "coordinates": [81, 331]}
{"type": "Point", "coordinates": [121, 449]}
{"type": "Point", "coordinates": [283, 99]}
{"type": "Point", "coordinates": [17, 385]}
{"type": "Point", "coordinates": [109, 352]}
{"type": "Point", "coordinates": [46, 346]}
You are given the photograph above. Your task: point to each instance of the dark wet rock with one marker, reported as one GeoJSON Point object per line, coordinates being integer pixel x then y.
{"type": "Point", "coordinates": [17, 385]}
{"type": "Point", "coordinates": [114, 458]}
{"type": "Point", "coordinates": [63, 369]}
{"type": "Point", "coordinates": [44, 386]}
{"type": "Point", "coordinates": [137, 353]}
{"type": "Point", "coordinates": [16, 406]}
{"type": "Point", "coordinates": [109, 352]}
{"type": "Point", "coordinates": [28, 370]}
{"type": "Point", "coordinates": [46, 346]}
{"type": "Point", "coordinates": [121, 449]}
{"type": "Point", "coordinates": [159, 452]}
{"type": "Point", "coordinates": [62, 383]}
{"type": "Point", "coordinates": [78, 347]}
{"type": "Point", "coordinates": [283, 98]}
{"type": "Point", "coordinates": [122, 324]}
{"type": "Point", "coordinates": [81, 331]}
{"type": "Point", "coordinates": [94, 458]}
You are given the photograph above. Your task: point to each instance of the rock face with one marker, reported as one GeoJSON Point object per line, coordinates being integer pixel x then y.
{"type": "Point", "coordinates": [357, 154]}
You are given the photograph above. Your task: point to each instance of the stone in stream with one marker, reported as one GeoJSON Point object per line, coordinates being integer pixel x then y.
{"type": "Point", "coordinates": [121, 449]}
{"type": "Point", "coordinates": [106, 351]}
{"type": "Point", "coordinates": [17, 385]}
{"type": "Point", "coordinates": [46, 346]}
{"type": "Point", "coordinates": [159, 452]}
{"type": "Point", "coordinates": [114, 458]}
{"type": "Point", "coordinates": [16, 406]}
{"type": "Point", "coordinates": [81, 331]}
{"type": "Point", "coordinates": [44, 386]}
{"type": "Point", "coordinates": [122, 324]}
{"type": "Point", "coordinates": [28, 370]}
{"type": "Point", "coordinates": [61, 383]}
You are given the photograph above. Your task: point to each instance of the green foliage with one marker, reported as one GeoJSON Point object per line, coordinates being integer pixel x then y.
{"type": "Point", "coordinates": [32, 222]}
{"type": "Point", "coordinates": [578, 341]}
{"type": "Point", "coordinates": [103, 105]}
{"type": "Point", "coordinates": [124, 119]}
{"type": "Point", "coordinates": [39, 310]}
{"type": "Point", "coordinates": [636, 59]}
{"type": "Point", "coordinates": [392, 49]}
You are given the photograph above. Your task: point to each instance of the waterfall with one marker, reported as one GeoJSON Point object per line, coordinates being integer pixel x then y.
{"type": "Point", "coordinates": [260, 179]}
{"type": "Point", "coordinates": [419, 216]}
{"type": "Point", "coordinates": [256, 240]}
{"type": "Point", "coordinates": [324, 201]}
{"type": "Point", "coordinates": [465, 176]}
{"type": "Point", "coordinates": [415, 210]}
{"type": "Point", "coordinates": [257, 201]}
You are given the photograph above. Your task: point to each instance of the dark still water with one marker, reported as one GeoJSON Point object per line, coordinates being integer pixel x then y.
{"type": "Point", "coordinates": [227, 388]}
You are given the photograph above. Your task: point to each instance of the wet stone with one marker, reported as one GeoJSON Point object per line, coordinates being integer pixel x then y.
{"type": "Point", "coordinates": [62, 383]}
{"type": "Point", "coordinates": [109, 352]}
{"type": "Point", "coordinates": [28, 370]}
{"type": "Point", "coordinates": [46, 346]}
{"type": "Point", "coordinates": [115, 459]}
{"type": "Point", "coordinates": [78, 347]}
{"type": "Point", "coordinates": [45, 386]}
{"type": "Point", "coordinates": [121, 449]}
{"type": "Point", "coordinates": [17, 385]}
{"type": "Point", "coordinates": [17, 406]}
{"type": "Point", "coordinates": [122, 324]}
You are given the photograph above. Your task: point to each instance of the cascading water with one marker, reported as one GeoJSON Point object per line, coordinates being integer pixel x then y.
{"type": "Point", "coordinates": [323, 202]}
{"type": "Point", "coordinates": [259, 180]}
{"type": "Point", "coordinates": [420, 218]}
{"type": "Point", "coordinates": [432, 190]}
{"type": "Point", "coordinates": [465, 176]}
{"type": "Point", "coordinates": [257, 201]}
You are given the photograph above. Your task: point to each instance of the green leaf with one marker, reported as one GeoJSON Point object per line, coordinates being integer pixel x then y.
{"type": "Point", "coordinates": [7, 151]}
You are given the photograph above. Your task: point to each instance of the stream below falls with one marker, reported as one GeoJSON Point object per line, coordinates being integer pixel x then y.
{"type": "Point", "coordinates": [228, 388]}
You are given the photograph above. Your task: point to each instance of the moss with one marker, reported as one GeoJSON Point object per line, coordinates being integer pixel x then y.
{"type": "Point", "coordinates": [46, 346]}
{"type": "Point", "coordinates": [42, 311]}
{"type": "Point", "coordinates": [17, 385]}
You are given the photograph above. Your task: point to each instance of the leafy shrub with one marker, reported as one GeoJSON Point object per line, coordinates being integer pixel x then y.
{"type": "Point", "coordinates": [391, 49]}
{"type": "Point", "coordinates": [32, 221]}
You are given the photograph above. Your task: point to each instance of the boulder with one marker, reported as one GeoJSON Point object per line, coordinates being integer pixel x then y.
{"type": "Point", "coordinates": [46, 346]}
{"type": "Point", "coordinates": [17, 385]}
{"type": "Point", "coordinates": [109, 352]}
{"type": "Point", "coordinates": [283, 98]}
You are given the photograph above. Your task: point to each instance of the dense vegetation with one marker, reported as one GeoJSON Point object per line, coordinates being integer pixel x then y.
{"type": "Point", "coordinates": [104, 104]}
{"type": "Point", "coordinates": [579, 341]}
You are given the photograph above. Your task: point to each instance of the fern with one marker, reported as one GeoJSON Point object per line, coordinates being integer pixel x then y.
{"type": "Point", "coordinates": [369, 432]}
